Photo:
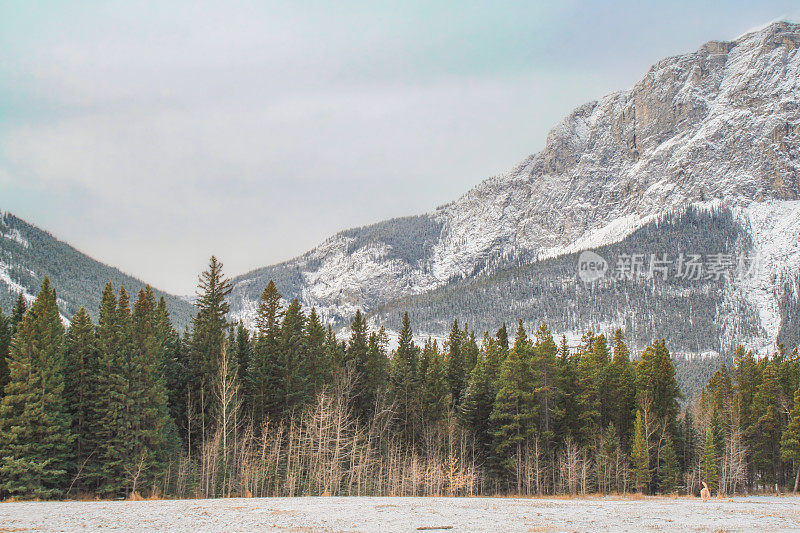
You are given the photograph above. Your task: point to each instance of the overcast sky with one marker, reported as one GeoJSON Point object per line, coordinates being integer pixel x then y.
{"type": "Point", "coordinates": [151, 135]}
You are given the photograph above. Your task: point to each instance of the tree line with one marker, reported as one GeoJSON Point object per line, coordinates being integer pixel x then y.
{"type": "Point", "coordinates": [129, 406]}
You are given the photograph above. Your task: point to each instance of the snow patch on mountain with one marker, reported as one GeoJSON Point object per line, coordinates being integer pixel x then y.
{"type": "Point", "coordinates": [13, 285]}
{"type": "Point", "coordinates": [15, 235]}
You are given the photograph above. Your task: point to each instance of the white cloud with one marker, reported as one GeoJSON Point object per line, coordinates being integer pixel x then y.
{"type": "Point", "coordinates": [154, 134]}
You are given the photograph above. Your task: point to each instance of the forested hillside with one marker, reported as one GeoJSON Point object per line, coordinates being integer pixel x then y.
{"type": "Point", "coordinates": [28, 255]}
{"type": "Point", "coordinates": [698, 315]}
{"type": "Point", "coordinates": [127, 406]}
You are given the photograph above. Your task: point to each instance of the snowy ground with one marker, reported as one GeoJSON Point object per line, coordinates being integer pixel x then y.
{"type": "Point", "coordinates": [408, 514]}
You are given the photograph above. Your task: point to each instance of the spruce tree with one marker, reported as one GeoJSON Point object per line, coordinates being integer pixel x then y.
{"type": "Point", "coordinates": [456, 372]}
{"type": "Point", "coordinates": [403, 382]}
{"type": "Point", "coordinates": [242, 350]}
{"type": "Point", "coordinates": [640, 455]}
{"type": "Point", "coordinates": [263, 387]}
{"type": "Point", "coordinates": [790, 439]}
{"type": "Point", "coordinates": [377, 365]}
{"type": "Point", "coordinates": [112, 452]}
{"type": "Point", "coordinates": [514, 413]}
{"type": "Point", "coordinates": [546, 374]}
{"type": "Point", "coordinates": [35, 433]}
{"type": "Point", "coordinates": [568, 385]}
{"type": "Point", "coordinates": [655, 382]}
{"type": "Point", "coordinates": [297, 379]}
{"type": "Point", "coordinates": [765, 431]}
{"type": "Point", "coordinates": [668, 471]}
{"type": "Point", "coordinates": [175, 369]}
{"type": "Point", "coordinates": [208, 338]}
{"type": "Point", "coordinates": [5, 341]}
{"type": "Point", "coordinates": [502, 338]}
{"type": "Point", "coordinates": [708, 461]}
{"type": "Point", "coordinates": [435, 389]}
{"type": "Point", "coordinates": [591, 374]}
{"type": "Point", "coordinates": [319, 357]}
{"type": "Point", "coordinates": [469, 350]}
{"type": "Point", "coordinates": [81, 372]}
{"type": "Point", "coordinates": [476, 409]}
{"type": "Point", "coordinates": [622, 388]}
{"type": "Point", "coordinates": [18, 312]}
{"type": "Point", "coordinates": [154, 433]}
{"type": "Point", "coordinates": [367, 360]}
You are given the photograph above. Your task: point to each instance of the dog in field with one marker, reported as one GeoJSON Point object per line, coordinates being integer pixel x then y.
{"type": "Point", "coordinates": [704, 492]}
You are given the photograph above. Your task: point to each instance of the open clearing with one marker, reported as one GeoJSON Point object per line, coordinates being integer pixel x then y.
{"type": "Point", "coordinates": [757, 513]}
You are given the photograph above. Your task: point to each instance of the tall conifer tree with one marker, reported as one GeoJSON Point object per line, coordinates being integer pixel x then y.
{"type": "Point", "coordinates": [5, 341]}
{"type": "Point", "coordinates": [263, 387]}
{"type": "Point", "coordinates": [514, 413]}
{"type": "Point", "coordinates": [208, 338]}
{"type": "Point", "coordinates": [81, 373]}
{"type": "Point", "coordinates": [35, 434]}
{"type": "Point", "coordinates": [456, 370]}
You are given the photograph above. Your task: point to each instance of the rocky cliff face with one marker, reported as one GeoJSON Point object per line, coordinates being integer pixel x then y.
{"type": "Point", "coordinates": [718, 126]}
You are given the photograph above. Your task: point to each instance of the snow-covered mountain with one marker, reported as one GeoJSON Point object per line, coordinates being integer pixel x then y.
{"type": "Point", "coordinates": [718, 127]}
{"type": "Point", "coordinates": [28, 254]}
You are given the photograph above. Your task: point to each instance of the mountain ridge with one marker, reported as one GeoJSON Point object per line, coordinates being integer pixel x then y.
{"type": "Point", "coordinates": [720, 124]}
{"type": "Point", "coordinates": [29, 253]}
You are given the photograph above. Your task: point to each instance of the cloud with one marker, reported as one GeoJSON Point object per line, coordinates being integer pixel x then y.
{"type": "Point", "coordinates": [153, 134]}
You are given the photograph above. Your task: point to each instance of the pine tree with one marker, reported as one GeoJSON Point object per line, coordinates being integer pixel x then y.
{"type": "Point", "coordinates": [476, 409]}
{"type": "Point", "coordinates": [469, 350]}
{"type": "Point", "coordinates": [207, 342]}
{"type": "Point", "coordinates": [514, 412]}
{"type": "Point", "coordinates": [263, 386]}
{"type": "Point", "coordinates": [622, 388]}
{"type": "Point", "coordinates": [790, 439]}
{"type": "Point", "coordinates": [18, 312]}
{"type": "Point", "coordinates": [708, 461]}
{"type": "Point", "coordinates": [320, 359]}
{"type": "Point", "coordinates": [35, 434]}
{"type": "Point", "coordinates": [81, 372]}
{"type": "Point", "coordinates": [435, 397]}
{"type": "Point", "coordinates": [456, 372]}
{"type": "Point", "coordinates": [502, 339]}
{"type": "Point", "coordinates": [154, 434]}
{"type": "Point", "coordinates": [766, 429]}
{"type": "Point", "coordinates": [176, 374]}
{"type": "Point", "coordinates": [366, 356]}
{"type": "Point", "coordinates": [112, 450]}
{"type": "Point", "coordinates": [297, 379]}
{"type": "Point", "coordinates": [403, 382]}
{"type": "Point", "coordinates": [591, 374]}
{"type": "Point", "coordinates": [668, 468]}
{"type": "Point", "coordinates": [655, 381]}
{"type": "Point", "coordinates": [546, 373]}
{"type": "Point", "coordinates": [568, 385]}
{"type": "Point", "coordinates": [5, 341]}
{"type": "Point", "coordinates": [640, 455]}
{"type": "Point", "coordinates": [242, 350]}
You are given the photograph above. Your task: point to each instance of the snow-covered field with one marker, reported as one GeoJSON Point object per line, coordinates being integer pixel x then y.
{"type": "Point", "coordinates": [762, 513]}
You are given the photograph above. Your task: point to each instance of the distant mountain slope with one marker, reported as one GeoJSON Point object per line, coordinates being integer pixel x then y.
{"type": "Point", "coordinates": [696, 315]}
{"type": "Point", "coordinates": [28, 254]}
{"type": "Point", "coordinates": [721, 125]}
